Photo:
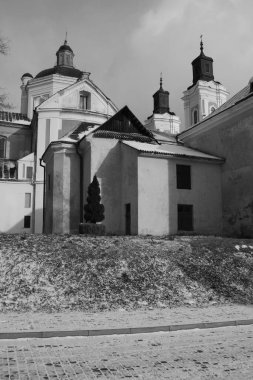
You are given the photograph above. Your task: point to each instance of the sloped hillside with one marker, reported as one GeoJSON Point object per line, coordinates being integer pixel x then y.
{"type": "Point", "coordinates": [62, 272]}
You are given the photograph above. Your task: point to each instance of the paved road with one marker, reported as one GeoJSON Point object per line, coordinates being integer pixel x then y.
{"type": "Point", "coordinates": [224, 353]}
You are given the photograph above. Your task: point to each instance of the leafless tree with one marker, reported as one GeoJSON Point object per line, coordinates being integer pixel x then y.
{"type": "Point", "coordinates": [4, 48]}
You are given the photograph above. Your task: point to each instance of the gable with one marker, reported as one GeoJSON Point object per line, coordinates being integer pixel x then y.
{"type": "Point", "coordinates": [72, 97]}
{"type": "Point", "coordinates": [124, 125]}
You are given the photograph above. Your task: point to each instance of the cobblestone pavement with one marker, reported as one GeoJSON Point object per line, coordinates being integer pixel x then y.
{"type": "Point", "coordinates": [224, 353]}
{"type": "Point", "coordinates": [12, 322]}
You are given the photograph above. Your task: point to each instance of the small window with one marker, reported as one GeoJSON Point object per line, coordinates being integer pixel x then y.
{"type": "Point", "coordinates": [2, 146]}
{"type": "Point", "coordinates": [207, 67]}
{"type": "Point", "coordinates": [29, 172]}
{"type": "Point", "coordinates": [185, 217]}
{"type": "Point", "coordinates": [183, 177]}
{"type": "Point", "coordinates": [28, 197]}
{"type": "Point", "coordinates": [27, 221]}
{"type": "Point", "coordinates": [83, 102]}
{"type": "Point", "coordinates": [195, 117]}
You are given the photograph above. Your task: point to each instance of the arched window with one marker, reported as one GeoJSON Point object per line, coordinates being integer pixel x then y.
{"type": "Point", "coordinates": [195, 116]}
{"type": "Point", "coordinates": [2, 146]}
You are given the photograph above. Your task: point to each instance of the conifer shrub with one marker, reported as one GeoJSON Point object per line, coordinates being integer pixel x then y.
{"type": "Point", "coordinates": [93, 211]}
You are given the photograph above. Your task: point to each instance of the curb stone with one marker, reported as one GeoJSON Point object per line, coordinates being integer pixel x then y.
{"type": "Point", "coordinates": [124, 330]}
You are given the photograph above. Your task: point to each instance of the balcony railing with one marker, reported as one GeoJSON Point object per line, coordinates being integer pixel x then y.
{"type": "Point", "coordinates": [8, 169]}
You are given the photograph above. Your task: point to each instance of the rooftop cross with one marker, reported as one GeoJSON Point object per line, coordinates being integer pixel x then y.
{"type": "Point", "coordinates": [201, 43]}
{"type": "Point", "coordinates": [161, 81]}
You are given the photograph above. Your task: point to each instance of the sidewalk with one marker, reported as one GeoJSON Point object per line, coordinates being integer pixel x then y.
{"type": "Point", "coordinates": [19, 325]}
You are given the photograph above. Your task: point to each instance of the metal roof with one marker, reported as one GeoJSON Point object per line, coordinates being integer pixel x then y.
{"type": "Point", "coordinates": [173, 149]}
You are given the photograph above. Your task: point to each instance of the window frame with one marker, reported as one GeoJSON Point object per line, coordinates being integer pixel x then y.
{"type": "Point", "coordinates": [184, 177]}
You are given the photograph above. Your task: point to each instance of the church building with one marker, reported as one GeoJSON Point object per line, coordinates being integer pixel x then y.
{"type": "Point", "coordinates": [159, 178]}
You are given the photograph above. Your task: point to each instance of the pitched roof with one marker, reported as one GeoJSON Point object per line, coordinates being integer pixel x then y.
{"type": "Point", "coordinates": [124, 125]}
{"type": "Point", "coordinates": [82, 130]}
{"type": "Point", "coordinates": [174, 150]}
{"type": "Point", "coordinates": [237, 98]}
{"type": "Point", "coordinates": [14, 117]}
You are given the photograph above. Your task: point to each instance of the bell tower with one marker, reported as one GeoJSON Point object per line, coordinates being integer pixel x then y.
{"type": "Point", "coordinates": [162, 119]}
{"type": "Point", "coordinates": [205, 94]}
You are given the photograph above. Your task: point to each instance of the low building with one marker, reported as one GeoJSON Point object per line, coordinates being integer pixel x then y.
{"type": "Point", "coordinates": [147, 186]}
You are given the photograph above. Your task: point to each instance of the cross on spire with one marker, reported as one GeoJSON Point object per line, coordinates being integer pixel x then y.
{"type": "Point", "coordinates": [201, 43]}
{"type": "Point", "coordinates": [66, 38]}
{"type": "Point", "coordinates": [161, 81]}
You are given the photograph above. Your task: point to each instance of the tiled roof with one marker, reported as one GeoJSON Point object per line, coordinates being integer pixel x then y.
{"type": "Point", "coordinates": [176, 150]}
{"type": "Point", "coordinates": [82, 130]}
{"type": "Point", "coordinates": [14, 117]}
{"type": "Point", "coordinates": [122, 136]}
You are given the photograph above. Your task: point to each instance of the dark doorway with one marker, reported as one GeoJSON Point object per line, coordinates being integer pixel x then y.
{"type": "Point", "coordinates": [128, 218]}
{"type": "Point", "coordinates": [185, 217]}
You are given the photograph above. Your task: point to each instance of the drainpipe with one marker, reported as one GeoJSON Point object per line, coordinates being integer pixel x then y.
{"type": "Point", "coordinates": [44, 194]}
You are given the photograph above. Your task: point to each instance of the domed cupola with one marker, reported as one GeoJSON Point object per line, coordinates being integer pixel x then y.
{"type": "Point", "coordinates": [65, 55]}
{"type": "Point", "coordinates": [64, 65]}
{"type": "Point", "coordinates": [202, 67]}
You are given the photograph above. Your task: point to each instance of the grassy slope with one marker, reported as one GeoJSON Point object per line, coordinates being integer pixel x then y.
{"type": "Point", "coordinates": [47, 273]}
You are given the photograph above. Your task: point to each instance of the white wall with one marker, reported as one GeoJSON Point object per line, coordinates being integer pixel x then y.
{"type": "Point", "coordinates": [12, 201]}
{"type": "Point", "coordinates": [153, 196]}
{"type": "Point", "coordinates": [158, 196]}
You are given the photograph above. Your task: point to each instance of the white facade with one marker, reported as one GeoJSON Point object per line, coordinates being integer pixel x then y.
{"type": "Point", "coordinates": [57, 101]}
{"type": "Point", "coordinates": [201, 100]}
{"type": "Point", "coordinates": [166, 123]}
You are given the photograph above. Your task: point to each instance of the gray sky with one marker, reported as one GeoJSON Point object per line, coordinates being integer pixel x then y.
{"type": "Point", "coordinates": [125, 44]}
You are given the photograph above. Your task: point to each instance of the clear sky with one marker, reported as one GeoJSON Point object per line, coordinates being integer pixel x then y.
{"type": "Point", "coordinates": [125, 44]}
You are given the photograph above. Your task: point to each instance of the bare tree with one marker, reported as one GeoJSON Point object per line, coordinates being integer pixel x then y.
{"type": "Point", "coordinates": [4, 48]}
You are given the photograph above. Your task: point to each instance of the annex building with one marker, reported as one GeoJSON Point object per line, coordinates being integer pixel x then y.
{"type": "Point", "coordinates": [158, 178]}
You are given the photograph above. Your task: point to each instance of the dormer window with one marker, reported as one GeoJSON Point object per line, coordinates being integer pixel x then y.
{"type": "Point", "coordinates": [84, 100]}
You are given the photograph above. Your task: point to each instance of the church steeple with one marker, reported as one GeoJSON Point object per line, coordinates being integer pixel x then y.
{"type": "Point", "coordinates": [162, 119]}
{"type": "Point", "coordinates": [202, 66]}
{"type": "Point", "coordinates": [65, 55]}
{"type": "Point", "coordinates": [161, 99]}
{"type": "Point", "coordinates": [205, 94]}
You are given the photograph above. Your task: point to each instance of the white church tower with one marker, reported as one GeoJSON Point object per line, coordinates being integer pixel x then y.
{"type": "Point", "coordinates": [163, 119]}
{"type": "Point", "coordinates": [205, 94]}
